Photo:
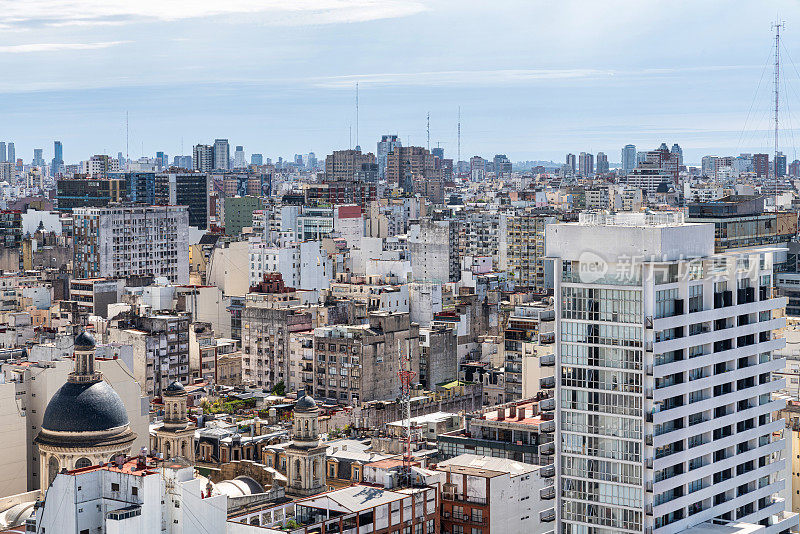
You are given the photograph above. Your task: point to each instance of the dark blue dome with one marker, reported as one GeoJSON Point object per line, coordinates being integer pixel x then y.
{"type": "Point", "coordinates": [305, 404]}
{"type": "Point", "coordinates": [91, 407]}
{"type": "Point", "coordinates": [176, 388]}
{"type": "Point", "coordinates": [84, 341]}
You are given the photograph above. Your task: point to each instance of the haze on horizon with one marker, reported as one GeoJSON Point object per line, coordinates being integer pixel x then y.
{"type": "Point", "coordinates": [534, 79]}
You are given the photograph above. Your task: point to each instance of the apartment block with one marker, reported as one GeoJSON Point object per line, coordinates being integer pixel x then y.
{"type": "Point", "coordinates": [522, 249]}
{"type": "Point", "coordinates": [664, 378]}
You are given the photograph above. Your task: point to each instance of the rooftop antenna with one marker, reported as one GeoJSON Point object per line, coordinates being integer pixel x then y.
{"type": "Point", "coordinates": [127, 143]}
{"type": "Point", "coordinates": [777, 25]}
{"type": "Point", "coordinates": [458, 160]}
{"type": "Point", "coordinates": [406, 375]}
{"type": "Point", "coordinates": [357, 114]}
{"type": "Point", "coordinates": [429, 131]}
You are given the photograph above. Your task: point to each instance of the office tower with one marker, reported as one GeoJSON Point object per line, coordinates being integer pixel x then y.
{"type": "Point", "coordinates": [385, 146]}
{"type": "Point", "coordinates": [238, 158]}
{"type": "Point", "coordinates": [571, 163]}
{"type": "Point", "coordinates": [312, 161]}
{"type": "Point", "coordinates": [141, 187]}
{"type": "Point", "coordinates": [12, 156]}
{"type": "Point", "coordinates": [438, 152]}
{"type": "Point", "coordinates": [677, 153]}
{"type": "Point", "coordinates": [502, 166]}
{"type": "Point", "coordinates": [97, 191]}
{"type": "Point", "coordinates": [628, 158]}
{"type": "Point", "coordinates": [222, 155]}
{"type": "Point", "coordinates": [602, 163]}
{"type": "Point", "coordinates": [132, 240]}
{"type": "Point", "coordinates": [585, 164]}
{"type": "Point", "coordinates": [405, 164]}
{"type": "Point", "coordinates": [780, 165]}
{"type": "Point", "coordinates": [664, 378]}
{"type": "Point", "coordinates": [344, 165]}
{"type": "Point", "coordinates": [182, 162]}
{"type": "Point", "coordinates": [256, 159]}
{"type": "Point", "coordinates": [203, 159]}
{"type": "Point", "coordinates": [38, 160]}
{"type": "Point", "coordinates": [162, 160]}
{"type": "Point", "coordinates": [3, 157]}
{"type": "Point", "coordinates": [761, 165]}
{"type": "Point", "coordinates": [121, 161]}
{"type": "Point", "coordinates": [185, 189]}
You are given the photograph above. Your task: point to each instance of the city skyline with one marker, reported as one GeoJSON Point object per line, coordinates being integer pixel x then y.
{"type": "Point", "coordinates": [534, 90]}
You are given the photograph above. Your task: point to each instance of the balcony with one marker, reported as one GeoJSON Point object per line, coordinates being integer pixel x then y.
{"type": "Point", "coordinates": [548, 471]}
{"type": "Point", "coordinates": [548, 515]}
{"type": "Point", "coordinates": [547, 493]}
{"type": "Point", "coordinates": [547, 360]}
{"type": "Point", "coordinates": [469, 499]}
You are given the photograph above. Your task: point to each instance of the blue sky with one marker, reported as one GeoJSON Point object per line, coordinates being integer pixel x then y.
{"type": "Point", "coordinates": [534, 79]}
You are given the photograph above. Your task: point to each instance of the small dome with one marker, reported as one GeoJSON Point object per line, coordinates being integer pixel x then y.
{"type": "Point", "coordinates": [176, 388]}
{"type": "Point", "coordinates": [305, 404]}
{"type": "Point", "coordinates": [84, 341]}
{"type": "Point", "coordinates": [92, 407]}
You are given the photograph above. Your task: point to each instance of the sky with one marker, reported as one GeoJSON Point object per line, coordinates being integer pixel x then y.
{"type": "Point", "coordinates": [534, 79]}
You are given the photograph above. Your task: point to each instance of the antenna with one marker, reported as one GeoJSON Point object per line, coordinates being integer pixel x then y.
{"type": "Point", "coordinates": [458, 159]}
{"type": "Point", "coordinates": [357, 114]}
{"type": "Point", "coordinates": [406, 375]}
{"type": "Point", "coordinates": [777, 25]}
{"type": "Point", "coordinates": [429, 131]}
{"type": "Point", "coordinates": [127, 139]}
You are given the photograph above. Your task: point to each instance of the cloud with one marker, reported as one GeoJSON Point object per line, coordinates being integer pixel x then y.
{"type": "Point", "coordinates": [34, 13]}
{"type": "Point", "coordinates": [55, 47]}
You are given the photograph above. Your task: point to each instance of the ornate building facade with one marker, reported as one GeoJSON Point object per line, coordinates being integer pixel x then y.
{"type": "Point", "coordinates": [176, 436]}
{"type": "Point", "coordinates": [305, 455]}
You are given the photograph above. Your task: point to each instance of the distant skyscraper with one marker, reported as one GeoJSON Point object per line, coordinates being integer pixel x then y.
{"type": "Point", "coordinates": [628, 158]}
{"type": "Point", "coordinates": [256, 159]}
{"type": "Point", "coordinates": [761, 165]}
{"type": "Point", "coordinates": [312, 161]}
{"type": "Point", "coordinates": [58, 158]}
{"type": "Point", "coordinates": [677, 151]}
{"type": "Point", "coordinates": [222, 155]}
{"type": "Point", "coordinates": [12, 156]}
{"type": "Point", "coordinates": [602, 163]}
{"type": "Point", "coordinates": [203, 160]}
{"type": "Point", "coordinates": [502, 165]}
{"type": "Point", "coordinates": [162, 160]}
{"type": "Point", "coordinates": [585, 164]}
{"type": "Point", "coordinates": [780, 164]}
{"type": "Point", "coordinates": [121, 161]}
{"type": "Point", "coordinates": [438, 152]}
{"type": "Point", "coordinates": [238, 158]}
{"type": "Point", "coordinates": [38, 160]}
{"type": "Point", "coordinates": [385, 146]}
{"type": "Point", "coordinates": [571, 163]}
{"type": "Point", "coordinates": [2, 152]}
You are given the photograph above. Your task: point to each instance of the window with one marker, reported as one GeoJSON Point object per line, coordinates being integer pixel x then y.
{"type": "Point", "coordinates": [114, 486]}
{"type": "Point", "coordinates": [82, 462]}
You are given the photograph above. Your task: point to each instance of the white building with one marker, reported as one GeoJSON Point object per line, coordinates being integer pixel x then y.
{"type": "Point", "coordinates": [132, 240]}
{"type": "Point", "coordinates": [141, 496]}
{"type": "Point", "coordinates": [664, 375]}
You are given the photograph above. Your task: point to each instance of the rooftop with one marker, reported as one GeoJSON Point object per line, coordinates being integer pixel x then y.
{"type": "Point", "coordinates": [485, 466]}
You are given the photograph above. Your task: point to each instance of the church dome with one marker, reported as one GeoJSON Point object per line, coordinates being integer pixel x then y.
{"type": "Point", "coordinates": [176, 388]}
{"type": "Point", "coordinates": [92, 407]}
{"type": "Point", "coordinates": [305, 404]}
{"type": "Point", "coordinates": [84, 341]}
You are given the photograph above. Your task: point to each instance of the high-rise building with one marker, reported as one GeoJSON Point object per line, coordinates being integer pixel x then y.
{"type": "Point", "coordinates": [238, 158]}
{"type": "Point", "coordinates": [12, 156]}
{"type": "Point", "coordinates": [433, 251]}
{"type": "Point", "coordinates": [132, 240]}
{"type": "Point", "coordinates": [345, 165]}
{"type": "Point", "coordinates": [477, 169]}
{"type": "Point", "coordinates": [628, 158]}
{"type": "Point", "coordinates": [58, 158]}
{"type": "Point", "coordinates": [502, 166]}
{"type": "Point", "coordinates": [3, 152]}
{"type": "Point", "coordinates": [185, 189]}
{"type": "Point", "coordinates": [203, 158]}
{"type": "Point", "coordinates": [256, 159]}
{"type": "Point", "coordinates": [664, 378]}
{"type": "Point", "coordinates": [521, 249]}
{"type": "Point", "coordinates": [182, 162]}
{"type": "Point", "coordinates": [222, 155]}
{"type": "Point", "coordinates": [780, 165]}
{"type": "Point", "coordinates": [405, 164]}
{"type": "Point", "coordinates": [677, 153]}
{"type": "Point", "coordinates": [761, 165]}
{"type": "Point", "coordinates": [585, 164]}
{"type": "Point", "coordinates": [162, 160]}
{"type": "Point", "coordinates": [602, 163]}
{"type": "Point", "coordinates": [38, 160]}
{"type": "Point", "coordinates": [121, 162]}
{"type": "Point", "coordinates": [385, 146]}
{"type": "Point", "coordinates": [89, 192]}
{"type": "Point", "coordinates": [571, 164]}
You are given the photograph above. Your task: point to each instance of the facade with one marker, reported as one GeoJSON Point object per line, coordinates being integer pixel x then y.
{"type": "Point", "coordinates": [481, 494]}
{"type": "Point", "coordinates": [203, 158]}
{"type": "Point", "coordinates": [405, 164]}
{"type": "Point", "coordinates": [433, 251]}
{"type": "Point", "coordinates": [602, 163]}
{"type": "Point", "coordinates": [222, 155]}
{"type": "Point", "coordinates": [141, 187]}
{"type": "Point", "coordinates": [93, 295]}
{"type": "Point", "coordinates": [522, 249]}
{"type": "Point", "coordinates": [385, 146]}
{"type": "Point", "coordinates": [664, 376]}
{"type": "Point", "coordinates": [132, 240]}
{"type": "Point", "coordinates": [188, 189]}
{"type": "Point", "coordinates": [345, 165]}
{"type": "Point", "coordinates": [72, 193]}
{"type": "Point", "coordinates": [239, 213]}
{"type": "Point", "coordinates": [10, 228]}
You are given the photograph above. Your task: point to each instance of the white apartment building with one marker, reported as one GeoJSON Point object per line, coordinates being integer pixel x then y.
{"type": "Point", "coordinates": [303, 265]}
{"type": "Point", "coordinates": [139, 496]}
{"type": "Point", "coordinates": [132, 240]}
{"type": "Point", "coordinates": [664, 376]}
